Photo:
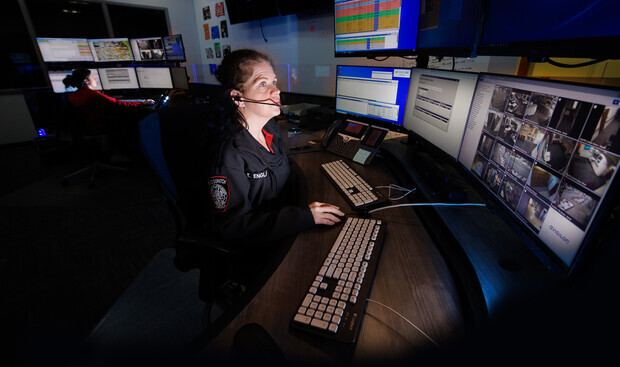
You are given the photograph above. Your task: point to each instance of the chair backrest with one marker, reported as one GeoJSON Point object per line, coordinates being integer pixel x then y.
{"type": "Point", "coordinates": [173, 142]}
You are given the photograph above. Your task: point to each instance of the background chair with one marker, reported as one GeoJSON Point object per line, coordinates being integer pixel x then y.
{"type": "Point", "coordinates": [93, 150]}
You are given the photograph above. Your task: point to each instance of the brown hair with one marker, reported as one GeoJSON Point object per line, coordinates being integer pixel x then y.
{"type": "Point", "coordinates": [233, 72]}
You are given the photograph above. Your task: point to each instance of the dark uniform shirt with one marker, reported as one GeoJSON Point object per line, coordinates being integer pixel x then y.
{"type": "Point", "coordinates": [248, 186]}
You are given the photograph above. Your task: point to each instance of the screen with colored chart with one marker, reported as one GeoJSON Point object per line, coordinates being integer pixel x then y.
{"type": "Point", "coordinates": [376, 27]}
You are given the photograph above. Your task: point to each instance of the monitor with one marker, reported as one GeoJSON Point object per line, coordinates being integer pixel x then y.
{"type": "Point", "coordinates": [551, 29]}
{"type": "Point", "coordinates": [240, 11]}
{"type": "Point", "coordinates": [57, 76]}
{"type": "Point", "coordinates": [372, 94]}
{"type": "Point", "coordinates": [180, 79]}
{"type": "Point", "coordinates": [118, 78]}
{"type": "Point", "coordinates": [437, 107]}
{"type": "Point", "coordinates": [449, 27]}
{"type": "Point", "coordinates": [64, 49]}
{"type": "Point", "coordinates": [547, 153]}
{"type": "Point", "coordinates": [375, 28]}
{"type": "Point", "coordinates": [154, 77]}
{"type": "Point", "coordinates": [111, 49]}
{"type": "Point", "coordinates": [148, 49]}
{"type": "Point", "coordinates": [173, 45]}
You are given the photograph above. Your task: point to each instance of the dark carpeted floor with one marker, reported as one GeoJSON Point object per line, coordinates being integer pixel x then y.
{"type": "Point", "coordinates": [68, 253]}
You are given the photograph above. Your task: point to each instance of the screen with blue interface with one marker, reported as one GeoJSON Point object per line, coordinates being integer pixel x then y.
{"type": "Point", "coordinates": [549, 153]}
{"type": "Point", "coordinates": [375, 27]}
{"type": "Point", "coordinates": [374, 93]}
{"type": "Point", "coordinates": [173, 45]}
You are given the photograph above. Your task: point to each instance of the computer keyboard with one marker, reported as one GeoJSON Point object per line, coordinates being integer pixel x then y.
{"type": "Point", "coordinates": [334, 304]}
{"type": "Point", "coordinates": [352, 186]}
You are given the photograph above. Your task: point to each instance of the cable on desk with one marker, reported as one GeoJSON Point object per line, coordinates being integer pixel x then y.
{"type": "Point", "coordinates": [396, 187]}
{"type": "Point", "coordinates": [404, 318]}
{"type": "Point", "coordinates": [425, 204]}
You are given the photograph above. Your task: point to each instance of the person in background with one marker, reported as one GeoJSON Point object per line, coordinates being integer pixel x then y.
{"type": "Point", "coordinates": [249, 178]}
{"type": "Point", "coordinates": [104, 114]}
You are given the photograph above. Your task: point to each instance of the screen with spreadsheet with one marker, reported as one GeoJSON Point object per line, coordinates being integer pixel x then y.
{"type": "Point", "coordinates": [375, 27]}
{"type": "Point", "coordinates": [64, 49]}
{"type": "Point", "coordinates": [372, 93]}
{"type": "Point", "coordinates": [548, 153]}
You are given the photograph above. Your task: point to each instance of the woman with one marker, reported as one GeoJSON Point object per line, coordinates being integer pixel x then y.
{"type": "Point", "coordinates": [94, 104]}
{"type": "Point", "coordinates": [250, 180]}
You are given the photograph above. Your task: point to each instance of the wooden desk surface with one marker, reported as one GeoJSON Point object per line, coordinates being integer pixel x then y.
{"type": "Point", "coordinates": [412, 278]}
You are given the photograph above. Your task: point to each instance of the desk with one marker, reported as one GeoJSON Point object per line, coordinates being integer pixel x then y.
{"type": "Point", "coordinates": [412, 278]}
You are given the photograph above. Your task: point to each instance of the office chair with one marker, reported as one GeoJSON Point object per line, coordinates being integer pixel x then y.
{"type": "Point", "coordinates": [172, 141]}
{"type": "Point", "coordinates": [92, 149]}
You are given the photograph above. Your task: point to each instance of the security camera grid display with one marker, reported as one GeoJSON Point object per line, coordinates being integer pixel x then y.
{"type": "Point", "coordinates": [540, 152]}
{"type": "Point", "coordinates": [148, 49]}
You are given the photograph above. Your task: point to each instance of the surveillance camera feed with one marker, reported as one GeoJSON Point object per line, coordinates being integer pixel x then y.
{"type": "Point", "coordinates": [549, 151]}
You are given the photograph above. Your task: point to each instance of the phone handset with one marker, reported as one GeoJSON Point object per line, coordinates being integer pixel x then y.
{"type": "Point", "coordinates": [331, 131]}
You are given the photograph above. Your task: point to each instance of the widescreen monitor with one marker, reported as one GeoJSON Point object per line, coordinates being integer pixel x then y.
{"type": "Point", "coordinates": [118, 78]}
{"type": "Point", "coordinates": [111, 49]}
{"type": "Point", "coordinates": [173, 45]}
{"type": "Point", "coordinates": [449, 27]}
{"type": "Point", "coordinates": [148, 49]}
{"type": "Point", "coordinates": [372, 94]}
{"type": "Point", "coordinates": [154, 77]}
{"type": "Point", "coordinates": [375, 28]}
{"type": "Point", "coordinates": [437, 107]}
{"type": "Point", "coordinates": [64, 49]}
{"type": "Point", "coordinates": [552, 28]}
{"type": "Point", "coordinates": [548, 154]}
{"type": "Point", "coordinates": [57, 76]}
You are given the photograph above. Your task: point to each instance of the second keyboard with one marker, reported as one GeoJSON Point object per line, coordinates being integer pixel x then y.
{"type": "Point", "coordinates": [352, 186]}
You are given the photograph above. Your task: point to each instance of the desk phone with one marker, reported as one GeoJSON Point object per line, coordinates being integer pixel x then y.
{"type": "Point", "coordinates": [354, 140]}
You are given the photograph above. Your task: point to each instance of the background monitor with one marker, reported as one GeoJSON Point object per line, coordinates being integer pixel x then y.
{"type": "Point", "coordinates": [154, 77]}
{"type": "Point", "coordinates": [173, 46]}
{"type": "Point", "coordinates": [437, 107]}
{"type": "Point", "coordinates": [376, 28]}
{"type": "Point", "coordinates": [449, 27]}
{"type": "Point", "coordinates": [148, 49]}
{"type": "Point", "coordinates": [64, 49]}
{"type": "Point", "coordinates": [532, 28]}
{"type": "Point", "coordinates": [57, 76]}
{"type": "Point", "coordinates": [180, 79]}
{"type": "Point", "coordinates": [118, 78]}
{"type": "Point", "coordinates": [372, 94]}
{"type": "Point", "coordinates": [111, 49]}
{"type": "Point", "coordinates": [548, 153]}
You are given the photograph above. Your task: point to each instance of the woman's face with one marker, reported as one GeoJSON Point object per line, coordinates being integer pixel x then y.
{"type": "Point", "coordinates": [91, 81]}
{"type": "Point", "coordinates": [261, 86]}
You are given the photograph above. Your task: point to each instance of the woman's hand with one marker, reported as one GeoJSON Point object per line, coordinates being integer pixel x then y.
{"type": "Point", "coordinates": [324, 213]}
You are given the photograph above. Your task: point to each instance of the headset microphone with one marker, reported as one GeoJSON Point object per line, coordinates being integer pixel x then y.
{"type": "Point", "coordinates": [238, 99]}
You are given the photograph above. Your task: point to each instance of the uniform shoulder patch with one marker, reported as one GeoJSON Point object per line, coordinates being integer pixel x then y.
{"type": "Point", "coordinates": [220, 192]}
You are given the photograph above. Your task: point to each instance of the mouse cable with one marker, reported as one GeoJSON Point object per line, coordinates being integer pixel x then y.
{"type": "Point", "coordinates": [404, 318]}
{"type": "Point", "coordinates": [425, 204]}
{"type": "Point", "coordinates": [396, 187]}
